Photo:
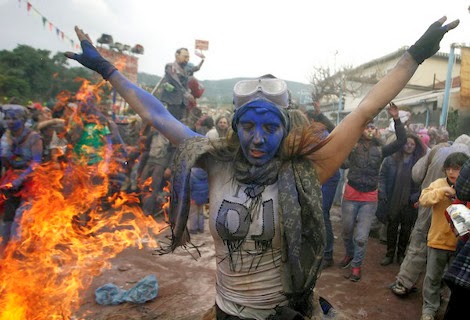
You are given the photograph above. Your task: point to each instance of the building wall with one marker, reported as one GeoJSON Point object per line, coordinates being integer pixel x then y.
{"type": "Point", "coordinates": [429, 79]}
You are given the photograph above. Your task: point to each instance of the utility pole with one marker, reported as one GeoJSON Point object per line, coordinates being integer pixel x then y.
{"type": "Point", "coordinates": [340, 99]}
{"type": "Point", "coordinates": [340, 104]}
{"type": "Point", "coordinates": [448, 86]}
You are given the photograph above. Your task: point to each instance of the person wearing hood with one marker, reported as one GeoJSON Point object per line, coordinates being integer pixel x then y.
{"type": "Point", "coordinates": [400, 196]}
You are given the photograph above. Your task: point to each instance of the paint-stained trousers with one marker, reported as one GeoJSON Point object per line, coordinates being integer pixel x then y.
{"type": "Point", "coordinates": [415, 259]}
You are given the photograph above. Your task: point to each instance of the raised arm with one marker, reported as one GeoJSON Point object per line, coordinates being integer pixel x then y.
{"type": "Point", "coordinates": [141, 101]}
{"type": "Point", "coordinates": [348, 131]}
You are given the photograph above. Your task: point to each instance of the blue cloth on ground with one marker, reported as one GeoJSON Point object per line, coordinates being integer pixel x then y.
{"type": "Point", "coordinates": [145, 290]}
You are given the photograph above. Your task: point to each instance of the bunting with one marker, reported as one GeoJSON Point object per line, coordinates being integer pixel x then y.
{"type": "Point", "coordinates": [47, 23]}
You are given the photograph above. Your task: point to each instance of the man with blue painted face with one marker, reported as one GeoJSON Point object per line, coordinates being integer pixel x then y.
{"type": "Point", "coordinates": [21, 152]}
{"type": "Point", "coordinates": [265, 183]}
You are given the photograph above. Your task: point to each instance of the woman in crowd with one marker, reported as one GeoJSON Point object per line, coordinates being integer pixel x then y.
{"type": "Point", "coordinates": [399, 195]}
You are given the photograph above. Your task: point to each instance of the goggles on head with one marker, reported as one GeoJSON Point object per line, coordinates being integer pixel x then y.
{"type": "Point", "coordinates": [273, 90]}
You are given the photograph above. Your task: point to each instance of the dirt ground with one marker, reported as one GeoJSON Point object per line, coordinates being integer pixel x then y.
{"type": "Point", "coordinates": [186, 285]}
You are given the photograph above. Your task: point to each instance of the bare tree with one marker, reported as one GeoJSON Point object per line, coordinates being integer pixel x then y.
{"type": "Point", "coordinates": [328, 87]}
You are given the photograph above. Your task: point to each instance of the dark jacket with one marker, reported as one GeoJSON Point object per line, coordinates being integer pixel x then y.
{"type": "Point", "coordinates": [199, 186]}
{"type": "Point", "coordinates": [365, 159]}
{"type": "Point", "coordinates": [388, 179]}
{"type": "Point", "coordinates": [462, 186]}
{"type": "Point", "coordinates": [174, 84]}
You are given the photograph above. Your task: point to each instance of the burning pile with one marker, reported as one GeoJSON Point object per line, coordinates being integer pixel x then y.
{"type": "Point", "coordinates": [43, 273]}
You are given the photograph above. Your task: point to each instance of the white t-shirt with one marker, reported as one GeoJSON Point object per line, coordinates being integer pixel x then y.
{"type": "Point", "coordinates": [212, 134]}
{"type": "Point", "coordinates": [247, 246]}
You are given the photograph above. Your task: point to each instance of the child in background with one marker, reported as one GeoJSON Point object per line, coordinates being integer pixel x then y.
{"type": "Point", "coordinates": [441, 239]}
{"type": "Point", "coordinates": [199, 197]}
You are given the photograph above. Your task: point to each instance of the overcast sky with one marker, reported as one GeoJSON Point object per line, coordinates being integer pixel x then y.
{"type": "Point", "coordinates": [247, 38]}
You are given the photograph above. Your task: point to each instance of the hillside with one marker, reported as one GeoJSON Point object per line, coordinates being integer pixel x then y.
{"type": "Point", "coordinates": [219, 92]}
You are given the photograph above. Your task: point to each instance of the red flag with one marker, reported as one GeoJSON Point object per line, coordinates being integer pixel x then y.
{"type": "Point", "coordinates": [28, 6]}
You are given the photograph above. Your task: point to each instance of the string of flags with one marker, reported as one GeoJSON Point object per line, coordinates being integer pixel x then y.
{"type": "Point", "coordinates": [46, 23]}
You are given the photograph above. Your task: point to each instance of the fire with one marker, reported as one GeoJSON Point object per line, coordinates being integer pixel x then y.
{"type": "Point", "coordinates": [166, 205]}
{"type": "Point", "coordinates": [44, 272]}
{"type": "Point", "coordinates": [55, 258]}
{"type": "Point", "coordinates": [87, 89]}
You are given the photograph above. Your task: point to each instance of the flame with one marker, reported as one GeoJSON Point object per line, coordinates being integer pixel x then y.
{"type": "Point", "coordinates": [57, 255]}
{"type": "Point", "coordinates": [55, 259]}
{"type": "Point", "coordinates": [166, 205]}
{"type": "Point", "coordinates": [62, 100]}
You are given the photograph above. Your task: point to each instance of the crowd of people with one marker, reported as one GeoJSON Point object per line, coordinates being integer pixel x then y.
{"type": "Point", "coordinates": [261, 180]}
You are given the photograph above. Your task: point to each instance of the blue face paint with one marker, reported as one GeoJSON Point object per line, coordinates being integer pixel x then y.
{"type": "Point", "coordinates": [260, 132]}
{"type": "Point", "coordinates": [14, 121]}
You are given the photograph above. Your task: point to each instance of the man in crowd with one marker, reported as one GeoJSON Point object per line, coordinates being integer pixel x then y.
{"type": "Point", "coordinates": [173, 90]}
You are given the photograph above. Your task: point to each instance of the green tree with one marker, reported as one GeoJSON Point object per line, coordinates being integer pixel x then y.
{"type": "Point", "coordinates": [32, 75]}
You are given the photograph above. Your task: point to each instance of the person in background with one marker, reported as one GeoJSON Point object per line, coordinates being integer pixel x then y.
{"type": "Point", "coordinates": [437, 135]}
{"type": "Point", "coordinates": [328, 189]}
{"type": "Point", "coordinates": [50, 130]}
{"type": "Point", "coordinates": [425, 139]}
{"type": "Point", "coordinates": [199, 197]}
{"type": "Point", "coordinates": [204, 124]}
{"type": "Point", "coordinates": [173, 91]}
{"type": "Point", "coordinates": [35, 115]}
{"type": "Point", "coordinates": [21, 152]}
{"type": "Point", "coordinates": [90, 139]}
{"type": "Point", "coordinates": [425, 171]}
{"type": "Point", "coordinates": [360, 195]}
{"type": "Point", "coordinates": [457, 276]}
{"type": "Point", "coordinates": [154, 169]}
{"type": "Point", "coordinates": [265, 210]}
{"type": "Point", "coordinates": [399, 196]}
{"type": "Point", "coordinates": [441, 239]}
{"type": "Point", "coordinates": [220, 129]}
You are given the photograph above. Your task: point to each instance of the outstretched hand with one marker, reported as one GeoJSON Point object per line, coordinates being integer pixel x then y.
{"type": "Point", "coordinates": [90, 57]}
{"type": "Point", "coordinates": [199, 54]}
{"type": "Point", "coordinates": [393, 110]}
{"type": "Point", "coordinates": [317, 107]}
{"type": "Point", "coordinates": [428, 44]}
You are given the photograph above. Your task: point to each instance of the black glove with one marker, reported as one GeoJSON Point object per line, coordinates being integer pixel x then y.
{"type": "Point", "coordinates": [92, 59]}
{"type": "Point", "coordinates": [428, 44]}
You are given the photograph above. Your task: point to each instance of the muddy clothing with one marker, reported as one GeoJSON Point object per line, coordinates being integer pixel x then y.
{"type": "Point", "coordinates": [425, 171]}
{"type": "Point", "coordinates": [18, 158]}
{"type": "Point", "coordinates": [173, 90]}
{"type": "Point", "coordinates": [257, 216]}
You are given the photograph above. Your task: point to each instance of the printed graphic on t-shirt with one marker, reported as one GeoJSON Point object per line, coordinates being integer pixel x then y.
{"type": "Point", "coordinates": [246, 227]}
